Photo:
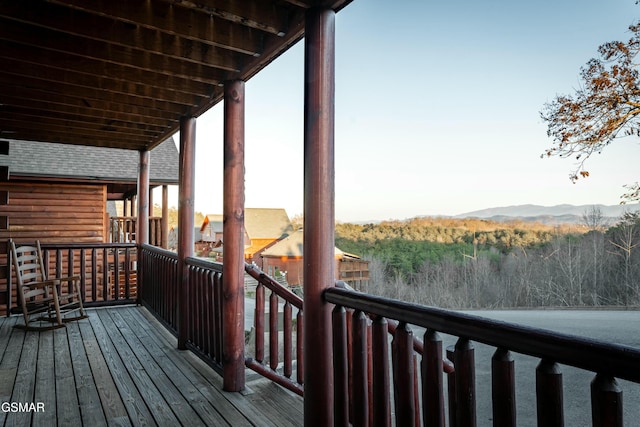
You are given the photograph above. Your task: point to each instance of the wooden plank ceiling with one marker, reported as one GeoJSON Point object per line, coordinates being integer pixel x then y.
{"type": "Point", "coordinates": [122, 73]}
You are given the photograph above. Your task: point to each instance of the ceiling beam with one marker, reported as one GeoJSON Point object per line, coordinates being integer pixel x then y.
{"type": "Point", "coordinates": [175, 20]}
{"type": "Point", "coordinates": [264, 16]}
{"type": "Point", "coordinates": [98, 28]}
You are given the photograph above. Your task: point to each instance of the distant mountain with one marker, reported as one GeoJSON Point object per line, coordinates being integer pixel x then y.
{"type": "Point", "coordinates": [559, 214]}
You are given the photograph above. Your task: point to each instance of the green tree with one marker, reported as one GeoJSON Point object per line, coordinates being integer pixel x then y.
{"type": "Point", "coordinates": [604, 108]}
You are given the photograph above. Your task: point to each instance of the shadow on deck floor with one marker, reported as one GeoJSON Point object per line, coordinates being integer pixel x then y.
{"type": "Point", "coordinates": [120, 367]}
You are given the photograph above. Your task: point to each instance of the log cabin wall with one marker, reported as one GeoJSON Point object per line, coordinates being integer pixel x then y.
{"type": "Point", "coordinates": [56, 213]}
{"type": "Point", "coordinates": [51, 213]}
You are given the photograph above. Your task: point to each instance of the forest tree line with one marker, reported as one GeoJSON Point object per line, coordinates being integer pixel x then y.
{"type": "Point", "coordinates": [483, 264]}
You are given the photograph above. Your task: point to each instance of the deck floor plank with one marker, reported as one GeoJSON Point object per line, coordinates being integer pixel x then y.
{"type": "Point", "coordinates": [202, 380]}
{"type": "Point", "coordinates": [114, 410]}
{"type": "Point", "coordinates": [9, 362]}
{"type": "Point", "coordinates": [88, 397]}
{"type": "Point", "coordinates": [45, 383]}
{"type": "Point", "coordinates": [24, 386]}
{"type": "Point", "coordinates": [67, 408]}
{"type": "Point", "coordinates": [120, 367]}
{"type": "Point", "coordinates": [205, 410]}
{"type": "Point", "coordinates": [175, 401]}
{"type": "Point", "coordinates": [135, 405]}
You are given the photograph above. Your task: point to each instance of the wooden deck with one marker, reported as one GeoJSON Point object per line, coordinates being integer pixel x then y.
{"type": "Point", "coordinates": [120, 367]}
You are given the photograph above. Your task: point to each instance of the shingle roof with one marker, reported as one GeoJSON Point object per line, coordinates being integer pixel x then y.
{"type": "Point", "coordinates": [291, 246]}
{"type": "Point", "coordinates": [265, 223]}
{"type": "Point", "coordinates": [39, 159]}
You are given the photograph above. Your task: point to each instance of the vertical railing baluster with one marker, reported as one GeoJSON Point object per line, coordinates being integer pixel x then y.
{"type": "Point", "coordinates": [380, 344]}
{"type": "Point", "coordinates": [83, 273]}
{"type": "Point", "coordinates": [217, 294]}
{"type": "Point", "coordinates": [127, 273]}
{"type": "Point", "coordinates": [416, 390]}
{"type": "Point", "coordinates": [549, 394]}
{"type": "Point", "coordinates": [94, 274]}
{"type": "Point", "coordinates": [210, 313]}
{"type": "Point", "coordinates": [300, 347]}
{"type": "Point", "coordinates": [503, 388]}
{"type": "Point", "coordinates": [350, 360]}
{"type": "Point", "coordinates": [606, 402]}
{"type": "Point", "coordinates": [273, 331]}
{"type": "Point", "coordinates": [287, 348]}
{"type": "Point", "coordinates": [451, 389]}
{"type": "Point", "coordinates": [402, 359]}
{"type": "Point", "coordinates": [464, 361]}
{"type": "Point", "coordinates": [105, 275]}
{"type": "Point", "coordinates": [116, 273]}
{"type": "Point", "coordinates": [340, 367]}
{"type": "Point", "coordinates": [432, 381]}
{"type": "Point", "coordinates": [259, 323]}
{"type": "Point", "coordinates": [58, 272]}
{"type": "Point", "coordinates": [360, 370]}
{"type": "Point", "coordinates": [70, 270]}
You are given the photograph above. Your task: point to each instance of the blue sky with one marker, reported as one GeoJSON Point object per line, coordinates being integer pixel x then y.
{"type": "Point", "coordinates": [437, 111]}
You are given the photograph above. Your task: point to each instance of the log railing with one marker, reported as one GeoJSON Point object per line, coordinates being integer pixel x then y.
{"type": "Point", "coordinates": [205, 314]}
{"type": "Point", "coordinates": [107, 271]}
{"type": "Point", "coordinates": [122, 229]}
{"type": "Point", "coordinates": [369, 397]}
{"type": "Point", "coordinates": [270, 359]}
{"type": "Point", "coordinates": [159, 269]}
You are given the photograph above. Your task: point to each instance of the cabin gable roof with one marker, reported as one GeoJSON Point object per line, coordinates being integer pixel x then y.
{"type": "Point", "coordinates": [34, 159]}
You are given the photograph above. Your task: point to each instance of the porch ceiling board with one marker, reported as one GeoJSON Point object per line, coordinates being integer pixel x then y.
{"type": "Point", "coordinates": [121, 74]}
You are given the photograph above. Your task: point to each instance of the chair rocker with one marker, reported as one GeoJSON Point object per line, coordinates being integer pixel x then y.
{"type": "Point", "coordinates": [40, 299]}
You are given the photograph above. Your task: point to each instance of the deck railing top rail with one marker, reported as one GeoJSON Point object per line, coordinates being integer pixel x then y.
{"type": "Point", "coordinates": [613, 359]}
{"type": "Point", "coordinates": [273, 285]}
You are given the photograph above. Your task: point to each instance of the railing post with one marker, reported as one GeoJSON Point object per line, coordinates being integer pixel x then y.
{"type": "Point", "coordinates": [464, 361]}
{"type": "Point", "coordinates": [432, 381]}
{"type": "Point", "coordinates": [381, 388]}
{"type": "Point", "coordinates": [360, 370]}
{"type": "Point", "coordinates": [503, 388]}
{"type": "Point", "coordinates": [319, 215]}
{"type": "Point", "coordinates": [185, 222]}
{"type": "Point", "coordinates": [606, 402]}
{"type": "Point", "coordinates": [233, 231]}
{"type": "Point", "coordinates": [549, 398]}
{"type": "Point", "coordinates": [403, 375]}
{"type": "Point", "coordinates": [341, 367]}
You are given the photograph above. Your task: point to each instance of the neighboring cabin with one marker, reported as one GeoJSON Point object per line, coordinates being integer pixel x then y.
{"type": "Point", "coordinates": [273, 245]}
{"type": "Point", "coordinates": [287, 255]}
{"type": "Point", "coordinates": [262, 228]}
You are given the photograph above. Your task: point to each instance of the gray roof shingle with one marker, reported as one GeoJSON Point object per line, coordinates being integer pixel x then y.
{"type": "Point", "coordinates": [40, 159]}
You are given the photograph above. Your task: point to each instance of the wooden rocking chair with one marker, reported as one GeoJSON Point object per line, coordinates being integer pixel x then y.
{"type": "Point", "coordinates": [40, 296]}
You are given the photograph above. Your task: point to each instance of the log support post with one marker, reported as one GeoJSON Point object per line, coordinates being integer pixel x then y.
{"type": "Point", "coordinates": [165, 217]}
{"type": "Point", "coordinates": [142, 232]}
{"type": "Point", "coordinates": [142, 224]}
{"type": "Point", "coordinates": [185, 221]}
{"type": "Point", "coordinates": [319, 215]}
{"type": "Point", "coordinates": [233, 232]}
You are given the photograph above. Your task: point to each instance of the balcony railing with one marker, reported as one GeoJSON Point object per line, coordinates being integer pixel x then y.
{"type": "Point", "coordinates": [369, 326]}
{"type": "Point", "coordinates": [122, 229]}
{"type": "Point", "coordinates": [159, 268]}
{"type": "Point", "coordinates": [108, 272]}
{"type": "Point", "coordinates": [371, 375]}
{"type": "Point", "coordinates": [270, 360]}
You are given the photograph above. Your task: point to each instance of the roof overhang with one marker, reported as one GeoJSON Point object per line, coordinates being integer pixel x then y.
{"type": "Point", "coordinates": [122, 74]}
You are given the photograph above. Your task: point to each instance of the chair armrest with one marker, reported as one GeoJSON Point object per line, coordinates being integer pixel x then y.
{"type": "Point", "coordinates": [40, 285]}
{"type": "Point", "coordinates": [64, 279]}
